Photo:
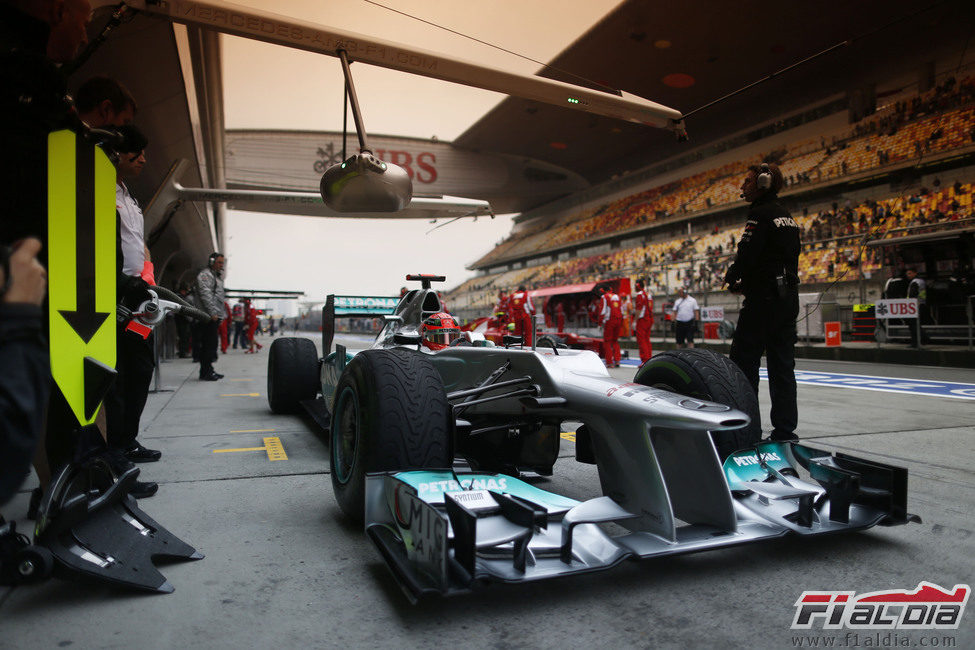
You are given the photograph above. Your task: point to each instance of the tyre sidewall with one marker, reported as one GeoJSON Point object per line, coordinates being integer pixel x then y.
{"type": "Point", "coordinates": [686, 371]}
{"type": "Point", "coordinates": [355, 384]}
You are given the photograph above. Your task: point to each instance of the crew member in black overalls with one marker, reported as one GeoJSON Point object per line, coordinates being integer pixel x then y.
{"type": "Point", "coordinates": [765, 270]}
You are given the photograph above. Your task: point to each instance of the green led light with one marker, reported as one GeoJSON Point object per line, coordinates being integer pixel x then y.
{"type": "Point", "coordinates": [383, 165]}
{"type": "Point", "coordinates": [343, 166]}
{"type": "Point", "coordinates": [573, 100]}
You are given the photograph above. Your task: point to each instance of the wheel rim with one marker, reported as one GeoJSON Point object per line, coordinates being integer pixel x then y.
{"type": "Point", "coordinates": [345, 438]}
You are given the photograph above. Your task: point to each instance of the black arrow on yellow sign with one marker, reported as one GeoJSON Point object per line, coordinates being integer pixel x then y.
{"type": "Point", "coordinates": [81, 271]}
{"type": "Point", "coordinates": [85, 319]}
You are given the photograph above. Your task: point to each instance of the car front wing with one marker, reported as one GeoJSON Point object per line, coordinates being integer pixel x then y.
{"type": "Point", "coordinates": [442, 532]}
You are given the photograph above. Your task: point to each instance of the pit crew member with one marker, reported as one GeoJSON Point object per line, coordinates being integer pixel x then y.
{"type": "Point", "coordinates": [766, 271]}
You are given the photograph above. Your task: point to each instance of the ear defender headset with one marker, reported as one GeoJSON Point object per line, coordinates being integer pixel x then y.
{"type": "Point", "coordinates": [213, 258]}
{"type": "Point", "coordinates": [764, 178]}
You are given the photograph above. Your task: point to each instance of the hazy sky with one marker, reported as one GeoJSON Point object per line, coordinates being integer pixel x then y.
{"type": "Point", "coordinates": [272, 87]}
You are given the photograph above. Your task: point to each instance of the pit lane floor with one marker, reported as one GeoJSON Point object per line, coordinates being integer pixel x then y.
{"type": "Point", "coordinates": [283, 569]}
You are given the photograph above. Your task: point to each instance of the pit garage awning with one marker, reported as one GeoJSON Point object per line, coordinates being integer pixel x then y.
{"type": "Point", "coordinates": [585, 287]}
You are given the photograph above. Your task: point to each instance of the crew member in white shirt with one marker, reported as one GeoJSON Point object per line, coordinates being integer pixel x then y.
{"type": "Point", "coordinates": [686, 315]}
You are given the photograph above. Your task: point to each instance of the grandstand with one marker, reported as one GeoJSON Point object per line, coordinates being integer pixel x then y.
{"type": "Point", "coordinates": [855, 190]}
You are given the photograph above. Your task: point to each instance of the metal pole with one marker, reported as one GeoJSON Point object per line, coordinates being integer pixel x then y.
{"type": "Point", "coordinates": [806, 306]}
{"type": "Point", "coordinates": [354, 100]}
{"type": "Point", "coordinates": [157, 386]}
{"type": "Point", "coordinates": [968, 308]}
{"type": "Point", "coordinates": [917, 328]}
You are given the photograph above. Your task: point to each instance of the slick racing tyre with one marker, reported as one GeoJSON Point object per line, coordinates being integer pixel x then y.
{"type": "Point", "coordinates": [390, 413]}
{"type": "Point", "coordinates": [292, 374]}
{"type": "Point", "coordinates": [702, 374]}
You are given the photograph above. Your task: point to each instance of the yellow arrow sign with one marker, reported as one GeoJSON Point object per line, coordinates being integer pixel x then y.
{"type": "Point", "coordinates": [81, 269]}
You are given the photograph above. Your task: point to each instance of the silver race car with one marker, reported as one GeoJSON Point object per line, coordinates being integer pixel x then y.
{"type": "Point", "coordinates": [433, 432]}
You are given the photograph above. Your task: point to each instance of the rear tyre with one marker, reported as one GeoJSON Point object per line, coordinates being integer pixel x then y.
{"type": "Point", "coordinates": [702, 374]}
{"type": "Point", "coordinates": [391, 413]}
{"type": "Point", "coordinates": [292, 374]}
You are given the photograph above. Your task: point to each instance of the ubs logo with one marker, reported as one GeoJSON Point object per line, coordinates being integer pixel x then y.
{"type": "Point", "coordinates": [326, 158]}
{"type": "Point", "coordinates": [420, 167]}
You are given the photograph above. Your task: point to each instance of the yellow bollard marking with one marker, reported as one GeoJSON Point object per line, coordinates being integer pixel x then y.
{"type": "Point", "coordinates": [252, 430]}
{"type": "Point", "coordinates": [248, 379]}
{"type": "Point", "coordinates": [568, 435]}
{"type": "Point", "coordinates": [275, 451]}
{"type": "Point", "coordinates": [272, 445]}
{"type": "Point", "coordinates": [241, 395]}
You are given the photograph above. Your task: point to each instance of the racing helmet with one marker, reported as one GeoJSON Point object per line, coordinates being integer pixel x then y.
{"type": "Point", "coordinates": [439, 330]}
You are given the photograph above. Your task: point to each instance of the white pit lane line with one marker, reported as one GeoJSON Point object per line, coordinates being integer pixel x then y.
{"type": "Point", "coordinates": [925, 387]}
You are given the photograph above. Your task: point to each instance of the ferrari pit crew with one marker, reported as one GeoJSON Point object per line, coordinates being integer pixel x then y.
{"type": "Point", "coordinates": [611, 317]}
{"type": "Point", "coordinates": [521, 311]}
{"type": "Point", "coordinates": [439, 331]}
{"type": "Point", "coordinates": [643, 304]}
{"type": "Point", "coordinates": [766, 271]}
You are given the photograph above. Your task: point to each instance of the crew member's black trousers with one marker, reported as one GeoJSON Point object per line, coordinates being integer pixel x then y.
{"type": "Point", "coordinates": [126, 400]}
{"type": "Point", "coordinates": [767, 325]}
{"type": "Point", "coordinates": [240, 335]}
{"type": "Point", "coordinates": [206, 333]}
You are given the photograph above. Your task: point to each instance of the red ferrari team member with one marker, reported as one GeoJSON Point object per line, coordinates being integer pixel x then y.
{"type": "Point", "coordinates": [559, 317]}
{"type": "Point", "coordinates": [223, 329]}
{"type": "Point", "coordinates": [644, 321]}
{"type": "Point", "coordinates": [521, 311]}
{"type": "Point", "coordinates": [612, 319]}
{"type": "Point", "coordinates": [252, 323]}
{"type": "Point", "coordinates": [501, 309]}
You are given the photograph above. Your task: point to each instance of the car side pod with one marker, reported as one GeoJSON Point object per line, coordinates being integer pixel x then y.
{"type": "Point", "coordinates": [107, 538]}
{"type": "Point", "coordinates": [849, 493]}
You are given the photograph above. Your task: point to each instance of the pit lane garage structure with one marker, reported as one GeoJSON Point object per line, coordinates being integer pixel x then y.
{"type": "Point", "coordinates": [550, 151]}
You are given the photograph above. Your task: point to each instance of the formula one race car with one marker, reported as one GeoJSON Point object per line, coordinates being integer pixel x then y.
{"type": "Point", "coordinates": [428, 447]}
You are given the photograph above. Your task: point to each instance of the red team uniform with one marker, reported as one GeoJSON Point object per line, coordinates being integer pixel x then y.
{"type": "Point", "coordinates": [643, 304]}
{"type": "Point", "coordinates": [520, 311]}
{"type": "Point", "coordinates": [612, 320]}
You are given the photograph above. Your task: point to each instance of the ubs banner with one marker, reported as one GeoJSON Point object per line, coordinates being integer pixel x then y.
{"type": "Point", "coordinates": [295, 160]}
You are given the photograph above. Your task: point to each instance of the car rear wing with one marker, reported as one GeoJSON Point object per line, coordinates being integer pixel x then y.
{"type": "Point", "coordinates": [352, 307]}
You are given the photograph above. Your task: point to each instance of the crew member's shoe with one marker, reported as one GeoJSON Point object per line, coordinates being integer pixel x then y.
{"type": "Point", "coordinates": [139, 454]}
{"type": "Point", "coordinates": [144, 489]}
{"type": "Point", "coordinates": [210, 377]}
{"type": "Point", "coordinates": [121, 464]}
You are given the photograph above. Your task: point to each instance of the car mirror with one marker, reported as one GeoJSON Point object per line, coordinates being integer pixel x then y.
{"type": "Point", "coordinates": [366, 183]}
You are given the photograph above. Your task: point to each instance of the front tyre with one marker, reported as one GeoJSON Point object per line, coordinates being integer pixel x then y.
{"type": "Point", "coordinates": [391, 413]}
{"type": "Point", "coordinates": [702, 374]}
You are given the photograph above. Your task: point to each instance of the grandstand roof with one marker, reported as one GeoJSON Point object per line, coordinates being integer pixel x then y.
{"type": "Point", "coordinates": [719, 47]}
